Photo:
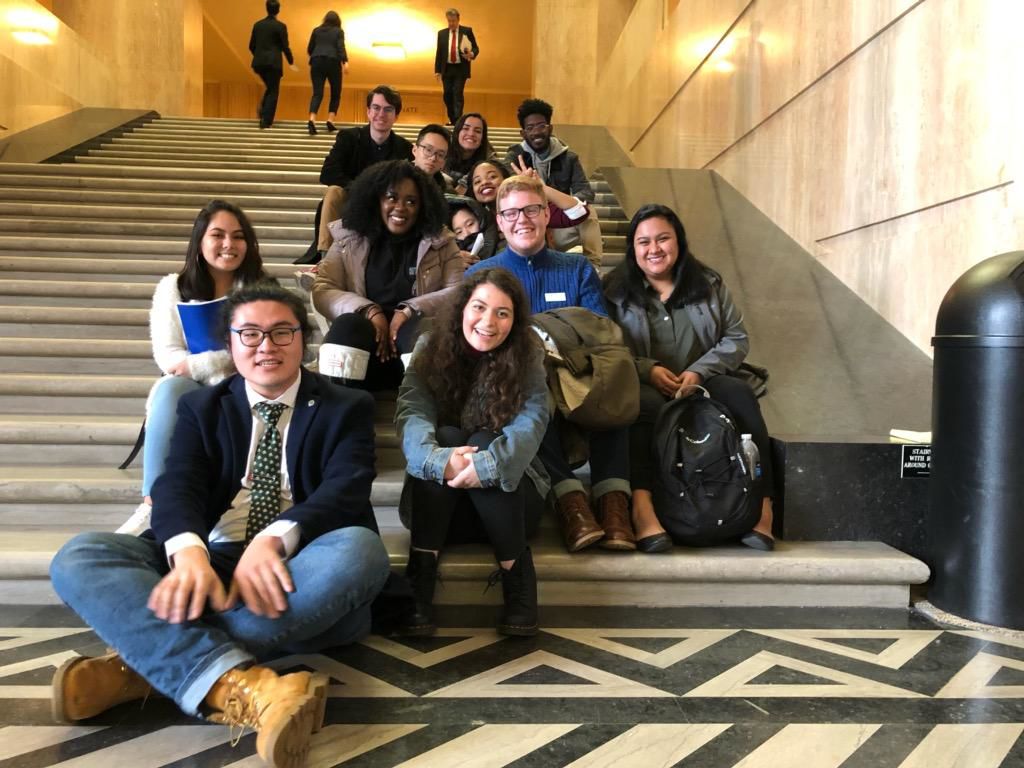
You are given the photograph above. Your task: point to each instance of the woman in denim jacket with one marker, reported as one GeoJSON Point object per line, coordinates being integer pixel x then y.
{"type": "Point", "coordinates": [472, 410]}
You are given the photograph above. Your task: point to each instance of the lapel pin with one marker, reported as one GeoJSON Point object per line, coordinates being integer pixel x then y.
{"type": "Point", "coordinates": [311, 403]}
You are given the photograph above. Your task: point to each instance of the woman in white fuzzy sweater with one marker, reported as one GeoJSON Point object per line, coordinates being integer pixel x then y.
{"type": "Point", "coordinates": [222, 254]}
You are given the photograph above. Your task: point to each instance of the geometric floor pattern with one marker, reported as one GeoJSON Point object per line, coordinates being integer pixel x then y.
{"type": "Point", "coordinates": [696, 688]}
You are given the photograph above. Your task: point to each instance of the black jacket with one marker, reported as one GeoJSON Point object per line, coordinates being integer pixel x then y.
{"type": "Point", "coordinates": [441, 54]}
{"type": "Point", "coordinates": [352, 153]}
{"type": "Point", "coordinates": [327, 41]}
{"type": "Point", "coordinates": [269, 39]}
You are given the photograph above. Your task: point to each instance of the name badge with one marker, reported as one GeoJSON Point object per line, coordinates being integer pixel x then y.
{"type": "Point", "coordinates": [554, 297]}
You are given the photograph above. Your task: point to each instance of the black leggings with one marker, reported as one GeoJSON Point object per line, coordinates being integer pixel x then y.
{"type": "Point", "coordinates": [353, 330]}
{"type": "Point", "coordinates": [444, 515]}
{"type": "Point", "coordinates": [736, 395]}
{"type": "Point", "coordinates": [323, 68]}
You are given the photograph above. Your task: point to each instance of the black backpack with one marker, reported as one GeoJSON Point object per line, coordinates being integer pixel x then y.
{"type": "Point", "coordinates": [702, 492]}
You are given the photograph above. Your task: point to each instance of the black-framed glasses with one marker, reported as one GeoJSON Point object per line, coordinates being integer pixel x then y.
{"type": "Point", "coordinates": [253, 337]}
{"type": "Point", "coordinates": [530, 211]}
{"type": "Point", "coordinates": [388, 110]}
{"type": "Point", "coordinates": [431, 153]}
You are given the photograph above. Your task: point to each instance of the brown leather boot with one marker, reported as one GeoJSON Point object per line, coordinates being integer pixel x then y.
{"type": "Point", "coordinates": [283, 710]}
{"type": "Point", "coordinates": [579, 528]}
{"type": "Point", "coordinates": [613, 512]}
{"type": "Point", "coordinates": [84, 687]}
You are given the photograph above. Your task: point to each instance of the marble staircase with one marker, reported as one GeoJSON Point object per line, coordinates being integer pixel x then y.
{"type": "Point", "coordinates": [84, 238]}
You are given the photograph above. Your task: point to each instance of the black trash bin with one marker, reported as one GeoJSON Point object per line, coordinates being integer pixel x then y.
{"type": "Point", "coordinates": [976, 515]}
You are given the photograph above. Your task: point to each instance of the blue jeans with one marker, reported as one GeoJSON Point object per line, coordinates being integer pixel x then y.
{"type": "Point", "coordinates": [106, 579]}
{"type": "Point", "coordinates": [161, 416]}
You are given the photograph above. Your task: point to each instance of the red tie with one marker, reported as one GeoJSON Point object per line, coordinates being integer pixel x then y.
{"type": "Point", "coordinates": [452, 56]}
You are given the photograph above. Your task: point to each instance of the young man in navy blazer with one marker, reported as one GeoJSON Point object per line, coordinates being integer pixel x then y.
{"type": "Point", "coordinates": [263, 542]}
{"type": "Point", "coordinates": [456, 50]}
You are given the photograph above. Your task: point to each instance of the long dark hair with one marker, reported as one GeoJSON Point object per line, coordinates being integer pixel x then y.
{"type": "Point", "coordinates": [691, 281]}
{"type": "Point", "coordinates": [194, 280]}
{"type": "Point", "coordinates": [457, 376]}
{"type": "Point", "coordinates": [455, 159]}
{"type": "Point", "coordinates": [361, 212]}
{"type": "Point", "coordinates": [331, 19]}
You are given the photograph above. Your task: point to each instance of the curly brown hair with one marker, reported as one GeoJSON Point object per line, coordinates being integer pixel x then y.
{"type": "Point", "coordinates": [484, 388]}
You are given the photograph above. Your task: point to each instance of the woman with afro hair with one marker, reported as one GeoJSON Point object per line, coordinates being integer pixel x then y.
{"type": "Point", "coordinates": [392, 263]}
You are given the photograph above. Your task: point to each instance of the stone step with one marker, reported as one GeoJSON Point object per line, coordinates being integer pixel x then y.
{"type": "Point", "coordinates": [111, 430]}
{"type": "Point", "coordinates": [44, 210]}
{"type": "Point", "coordinates": [144, 199]}
{"type": "Point", "coordinates": [82, 315]}
{"type": "Point", "coordinates": [105, 485]}
{"type": "Point", "coordinates": [69, 264]}
{"type": "Point", "coordinates": [71, 349]}
{"type": "Point", "coordinates": [73, 176]}
{"type": "Point", "coordinates": [206, 190]}
{"type": "Point", "coordinates": [293, 131]}
{"type": "Point", "coordinates": [291, 165]}
{"type": "Point", "coordinates": [111, 455]}
{"type": "Point", "coordinates": [76, 406]}
{"type": "Point", "coordinates": [81, 516]}
{"type": "Point", "coordinates": [167, 172]}
{"type": "Point", "coordinates": [84, 290]}
{"type": "Point", "coordinates": [226, 153]}
{"type": "Point", "coordinates": [74, 386]}
{"type": "Point", "coordinates": [797, 574]}
{"type": "Point", "coordinates": [39, 211]}
{"type": "Point", "coordinates": [136, 230]}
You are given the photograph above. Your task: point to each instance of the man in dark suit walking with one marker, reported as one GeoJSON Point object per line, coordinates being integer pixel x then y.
{"type": "Point", "coordinates": [269, 39]}
{"type": "Point", "coordinates": [456, 49]}
{"type": "Point", "coordinates": [263, 542]}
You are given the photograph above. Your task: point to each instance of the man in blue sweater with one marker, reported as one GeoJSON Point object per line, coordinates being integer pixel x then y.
{"type": "Point", "coordinates": [553, 279]}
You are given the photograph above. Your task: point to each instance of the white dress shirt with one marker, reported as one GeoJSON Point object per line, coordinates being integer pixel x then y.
{"type": "Point", "coordinates": [231, 526]}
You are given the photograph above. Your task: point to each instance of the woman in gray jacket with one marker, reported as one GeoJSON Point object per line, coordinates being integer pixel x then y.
{"type": "Point", "coordinates": [679, 320]}
{"type": "Point", "coordinates": [327, 59]}
{"type": "Point", "coordinates": [472, 411]}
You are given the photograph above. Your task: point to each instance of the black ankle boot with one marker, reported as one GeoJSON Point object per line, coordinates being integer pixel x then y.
{"type": "Point", "coordinates": [331, 128]}
{"type": "Point", "coordinates": [311, 126]}
{"type": "Point", "coordinates": [519, 588]}
{"type": "Point", "coordinates": [421, 571]}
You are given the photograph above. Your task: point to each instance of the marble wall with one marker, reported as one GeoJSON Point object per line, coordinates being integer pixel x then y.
{"type": "Point", "coordinates": [154, 49]}
{"type": "Point", "coordinates": [48, 73]}
{"type": "Point", "coordinates": [880, 135]}
{"type": "Point", "coordinates": [104, 53]}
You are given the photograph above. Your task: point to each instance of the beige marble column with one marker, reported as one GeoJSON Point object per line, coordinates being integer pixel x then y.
{"type": "Point", "coordinates": [153, 48]}
{"type": "Point", "coordinates": [565, 57]}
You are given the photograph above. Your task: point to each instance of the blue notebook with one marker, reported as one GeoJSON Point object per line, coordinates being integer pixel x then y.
{"type": "Point", "coordinates": [201, 323]}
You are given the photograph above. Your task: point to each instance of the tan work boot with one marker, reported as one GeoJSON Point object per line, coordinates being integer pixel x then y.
{"type": "Point", "coordinates": [283, 710]}
{"type": "Point", "coordinates": [579, 528]}
{"type": "Point", "coordinates": [613, 514]}
{"type": "Point", "coordinates": [84, 687]}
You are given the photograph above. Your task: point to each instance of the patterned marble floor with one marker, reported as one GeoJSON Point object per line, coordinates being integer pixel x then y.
{"type": "Point", "coordinates": [705, 688]}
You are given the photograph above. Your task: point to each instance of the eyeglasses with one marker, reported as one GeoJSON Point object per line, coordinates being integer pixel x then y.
{"type": "Point", "coordinates": [253, 337]}
{"type": "Point", "coordinates": [530, 211]}
{"type": "Point", "coordinates": [432, 153]}
{"type": "Point", "coordinates": [536, 128]}
{"type": "Point", "coordinates": [388, 110]}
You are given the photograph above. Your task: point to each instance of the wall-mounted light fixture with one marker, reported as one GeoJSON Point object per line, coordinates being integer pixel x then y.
{"type": "Point", "coordinates": [30, 27]}
{"type": "Point", "coordinates": [389, 51]}
{"type": "Point", "coordinates": [390, 33]}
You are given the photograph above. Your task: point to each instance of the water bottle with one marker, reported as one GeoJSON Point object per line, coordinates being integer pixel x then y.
{"type": "Point", "coordinates": [751, 456]}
